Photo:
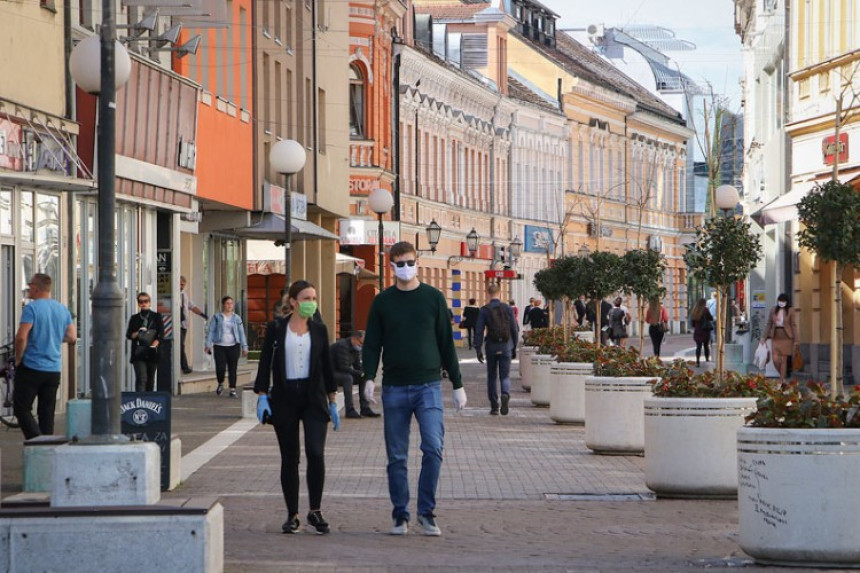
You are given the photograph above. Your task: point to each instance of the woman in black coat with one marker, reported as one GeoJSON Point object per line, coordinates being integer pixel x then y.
{"type": "Point", "coordinates": [145, 330]}
{"type": "Point", "coordinates": [295, 360]}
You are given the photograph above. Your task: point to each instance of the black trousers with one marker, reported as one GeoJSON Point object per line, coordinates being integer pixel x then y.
{"type": "Point", "coordinates": [295, 409]}
{"type": "Point", "coordinates": [226, 359]}
{"type": "Point", "coordinates": [655, 331]}
{"type": "Point", "coordinates": [183, 359]}
{"type": "Point", "coordinates": [29, 385]}
{"type": "Point", "coordinates": [144, 375]}
{"type": "Point", "coordinates": [347, 380]}
{"type": "Point", "coordinates": [470, 336]}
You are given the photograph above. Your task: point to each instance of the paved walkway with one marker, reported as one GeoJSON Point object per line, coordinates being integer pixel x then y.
{"type": "Point", "coordinates": [516, 493]}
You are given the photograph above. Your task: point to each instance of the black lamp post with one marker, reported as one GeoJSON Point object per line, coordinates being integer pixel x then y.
{"type": "Point", "coordinates": [380, 201]}
{"type": "Point", "coordinates": [287, 157]}
{"type": "Point", "coordinates": [101, 65]}
{"type": "Point", "coordinates": [726, 199]}
{"type": "Point", "coordinates": [434, 233]}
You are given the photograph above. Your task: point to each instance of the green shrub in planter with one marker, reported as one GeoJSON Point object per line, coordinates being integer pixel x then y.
{"type": "Point", "coordinates": [791, 405]}
{"type": "Point", "coordinates": [679, 381]}
{"type": "Point", "coordinates": [621, 362]}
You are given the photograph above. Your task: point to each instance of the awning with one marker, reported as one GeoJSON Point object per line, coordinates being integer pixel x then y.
{"type": "Point", "coordinates": [51, 182]}
{"type": "Point", "coordinates": [343, 264]}
{"type": "Point", "coordinates": [784, 207]}
{"type": "Point", "coordinates": [271, 228]}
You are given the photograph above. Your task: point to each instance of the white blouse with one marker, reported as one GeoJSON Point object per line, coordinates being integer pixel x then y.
{"type": "Point", "coordinates": [297, 354]}
{"type": "Point", "coordinates": [227, 338]}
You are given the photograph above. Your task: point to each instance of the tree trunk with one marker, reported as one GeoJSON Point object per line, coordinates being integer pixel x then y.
{"type": "Point", "coordinates": [836, 334]}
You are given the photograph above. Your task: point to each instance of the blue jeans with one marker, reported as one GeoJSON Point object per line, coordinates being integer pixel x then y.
{"type": "Point", "coordinates": [399, 403]}
{"type": "Point", "coordinates": [498, 368]}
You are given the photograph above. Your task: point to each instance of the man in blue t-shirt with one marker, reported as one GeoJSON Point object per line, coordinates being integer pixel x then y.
{"type": "Point", "coordinates": [45, 325]}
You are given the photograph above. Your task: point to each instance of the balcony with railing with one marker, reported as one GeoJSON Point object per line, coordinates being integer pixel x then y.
{"type": "Point", "coordinates": [361, 153]}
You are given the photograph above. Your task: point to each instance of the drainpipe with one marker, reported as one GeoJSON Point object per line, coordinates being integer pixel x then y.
{"type": "Point", "coordinates": [395, 126]}
{"type": "Point", "coordinates": [315, 99]}
{"type": "Point", "coordinates": [67, 52]}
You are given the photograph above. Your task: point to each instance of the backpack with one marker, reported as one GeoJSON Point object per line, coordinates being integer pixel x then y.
{"type": "Point", "coordinates": [498, 323]}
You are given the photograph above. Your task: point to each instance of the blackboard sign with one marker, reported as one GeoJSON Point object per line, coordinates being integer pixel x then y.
{"type": "Point", "coordinates": [145, 416]}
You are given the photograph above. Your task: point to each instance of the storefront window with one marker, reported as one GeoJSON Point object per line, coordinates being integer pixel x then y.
{"type": "Point", "coordinates": [26, 274]}
{"type": "Point", "coordinates": [48, 235]}
{"type": "Point", "coordinates": [5, 212]}
{"type": "Point", "coordinates": [27, 216]}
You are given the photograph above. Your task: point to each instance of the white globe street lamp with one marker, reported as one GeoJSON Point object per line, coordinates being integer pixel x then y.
{"type": "Point", "coordinates": [726, 198]}
{"type": "Point", "coordinates": [381, 202]}
{"type": "Point", "coordinates": [86, 66]}
{"type": "Point", "coordinates": [287, 157]}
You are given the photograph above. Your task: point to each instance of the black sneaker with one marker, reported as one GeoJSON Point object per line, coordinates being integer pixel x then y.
{"type": "Point", "coordinates": [505, 399]}
{"type": "Point", "coordinates": [233, 393]}
{"type": "Point", "coordinates": [353, 414]}
{"type": "Point", "coordinates": [494, 412]}
{"type": "Point", "coordinates": [291, 525]}
{"type": "Point", "coordinates": [220, 389]}
{"type": "Point", "coordinates": [401, 526]}
{"type": "Point", "coordinates": [187, 370]}
{"type": "Point", "coordinates": [370, 414]}
{"type": "Point", "coordinates": [428, 525]}
{"type": "Point", "coordinates": [318, 522]}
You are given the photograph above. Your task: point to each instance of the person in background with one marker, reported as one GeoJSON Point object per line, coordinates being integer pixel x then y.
{"type": "Point", "coordinates": [470, 317]}
{"type": "Point", "coordinates": [408, 325]}
{"type": "Point", "coordinates": [295, 364]}
{"type": "Point", "coordinates": [513, 304]}
{"type": "Point", "coordinates": [226, 337]}
{"type": "Point", "coordinates": [579, 307]}
{"type": "Point", "coordinates": [538, 316]}
{"type": "Point", "coordinates": [658, 321]}
{"type": "Point", "coordinates": [145, 330]}
{"type": "Point", "coordinates": [783, 332]}
{"type": "Point", "coordinates": [346, 360]}
{"type": "Point", "coordinates": [527, 311]}
{"type": "Point", "coordinates": [502, 332]}
{"type": "Point", "coordinates": [185, 307]}
{"type": "Point", "coordinates": [45, 326]}
{"type": "Point", "coordinates": [619, 318]}
{"type": "Point", "coordinates": [712, 308]}
{"type": "Point", "coordinates": [703, 324]}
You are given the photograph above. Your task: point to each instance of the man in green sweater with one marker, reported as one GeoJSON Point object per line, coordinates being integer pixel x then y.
{"type": "Point", "coordinates": [409, 321]}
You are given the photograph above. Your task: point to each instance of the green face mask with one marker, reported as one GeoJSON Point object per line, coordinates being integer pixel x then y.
{"type": "Point", "coordinates": [307, 308]}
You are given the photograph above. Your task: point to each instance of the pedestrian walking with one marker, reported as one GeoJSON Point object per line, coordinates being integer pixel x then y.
{"type": "Point", "coordinates": [712, 308]}
{"type": "Point", "coordinates": [295, 364]}
{"type": "Point", "coordinates": [538, 316]}
{"type": "Point", "coordinates": [579, 307]}
{"type": "Point", "coordinates": [470, 317]}
{"type": "Point", "coordinates": [408, 324]}
{"type": "Point", "coordinates": [45, 326]}
{"type": "Point", "coordinates": [658, 323]}
{"type": "Point", "coordinates": [513, 304]}
{"type": "Point", "coordinates": [619, 318]}
{"type": "Point", "coordinates": [783, 332]}
{"type": "Point", "coordinates": [225, 339]}
{"type": "Point", "coordinates": [145, 330]}
{"type": "Point", "coordinates": [500, 345]}
{"type": "Point", "coordinates": [526, 311]}
{"type": "Point", "coordinates": [703, 323]}
{"type": "Point", "coordinates": [185, 308]}
{"type": "Point", "coordinates": [346, 361]}
{"type": "Point", "coordinates": [591, 316]}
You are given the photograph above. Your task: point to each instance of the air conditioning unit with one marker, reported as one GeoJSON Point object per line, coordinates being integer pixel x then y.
{"type": "Point", "coordinates": [596, 33]}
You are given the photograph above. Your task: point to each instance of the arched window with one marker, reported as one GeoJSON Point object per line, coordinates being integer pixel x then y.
{"type": "Point", "coordinates": [356, 103]}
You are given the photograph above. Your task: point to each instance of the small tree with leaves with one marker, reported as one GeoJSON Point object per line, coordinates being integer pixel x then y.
{"type": "Point", "coordinates": [643, 275]}
{"type": "Point", "coordinates": [570, 274]}
{"type": "Point", "coordinates": [549, 283]}
{"type": "Point", "coordinates": [830, 214]}
{"type": "Point", "coordinates": [725, 251]}
{"type": "Point", "coordinates": [602, 275]}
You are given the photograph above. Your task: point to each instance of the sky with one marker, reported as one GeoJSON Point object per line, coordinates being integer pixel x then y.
{"type": "Point", "coordinates": [707, 23]}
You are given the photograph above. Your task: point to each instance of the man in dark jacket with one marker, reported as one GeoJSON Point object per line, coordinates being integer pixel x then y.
{"type": "Point", "coordinates": [499, 350]}
{"type": "Point", "coordinates": [346, 359]}
{"type": "Point", "coordinates": [538, 316]}
{"type": "Point", "coordinates": [470, 317]}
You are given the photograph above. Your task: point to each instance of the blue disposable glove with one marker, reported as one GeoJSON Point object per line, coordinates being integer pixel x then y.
{"type": "Point", "coordinates": [264, 412]}
{"type": "Point", "coordinates": [335, 417]}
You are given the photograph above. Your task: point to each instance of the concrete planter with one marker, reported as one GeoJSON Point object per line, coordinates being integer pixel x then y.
{"type": "Point", "coordinates": [540, 365]}
{"type": "Point", "coordinates": [797, 496]}
{"type": "Point", "coordinates": [614, 414]}
{"type": "Point", "coordinates": [567, 391]}
{"type": "Point", "coordinates": [691, 445]}
{"type": "Point", "coordinates": [587, 335]}
{"type": "Point", "coordinates": [525, 353]}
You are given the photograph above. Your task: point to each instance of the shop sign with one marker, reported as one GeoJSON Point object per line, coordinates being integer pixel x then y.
{"type": "Point", "coordinates": [362, 186]}
{"type": "Point", "coordinates": [538, 239]}
{"type": "Point", "coordinates": [273, 201]}
{"type": "Point", "coordinates": [25, 150]}
{"type": "Point", "coordinates": [829, 148]}
{"type": "Point", "coordinates": [502, 274]}
{"type": "Point", "coordinates": [366, 232]}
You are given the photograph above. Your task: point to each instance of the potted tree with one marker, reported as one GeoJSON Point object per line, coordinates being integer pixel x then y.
{"type": "Point", "coordinates": [601, 275]}
{"type": "Point", "coordinates": [548, 341]}
{"type": "Point", "coordinates": [643, 273]}
{"type": "Point", "coordinates": [691, 423]}
{"type": "Point", "coordinates": [615, 398]}
{"type": "Point", "coordinates": [574, 362]}
{"type": "Point", "coordinates": [798, 462]}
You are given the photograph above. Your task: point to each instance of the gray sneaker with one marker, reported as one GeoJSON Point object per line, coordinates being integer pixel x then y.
{"type": "Point", "coordinates": [401, 526]}
{"type": "Point", "coordinates": [428, 525]}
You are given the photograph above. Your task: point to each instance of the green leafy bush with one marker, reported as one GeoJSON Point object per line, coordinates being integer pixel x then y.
{"type": "Point", "coordinates": [578, 351]}
{"type": "Point", "coordinates": [548, 340]}
{"type": "Point", "coordinates": [679, 381]}
{"type": "Point", "coordinates": [622, 362]}
{"type": "Point", "coordinates": [791, 405]}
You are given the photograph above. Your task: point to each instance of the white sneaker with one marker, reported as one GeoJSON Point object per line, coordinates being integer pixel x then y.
{"type": "Point", "coordinates": [401, 526]}
{"type": "Point", "coordinates": [428, 524]}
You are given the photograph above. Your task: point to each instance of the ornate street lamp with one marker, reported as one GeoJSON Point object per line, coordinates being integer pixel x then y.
{"type": "Point", "coordinates": [101, 65]}
{"type": "Point", "coordinates": [434, 233]}
{"type": "Point", "coordinates": [472, 242]}
{"type": "Point", "coordinates": [380, 201]}
{"type": "Point", "coordinates": [287, 157]}
{"type": "Point", "coordinates": [516, 247]}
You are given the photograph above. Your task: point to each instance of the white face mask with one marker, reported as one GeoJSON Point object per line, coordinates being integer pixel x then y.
{"type": "Point", "coordinates": [406, 273]}
{"type": "Point", "coordinates": [781, 304]}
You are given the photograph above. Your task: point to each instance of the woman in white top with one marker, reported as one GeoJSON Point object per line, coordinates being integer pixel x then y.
{"type": "Point", "coordinates": [296, 365]}
{"type": "Point", "coordinates": [226, 336]}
